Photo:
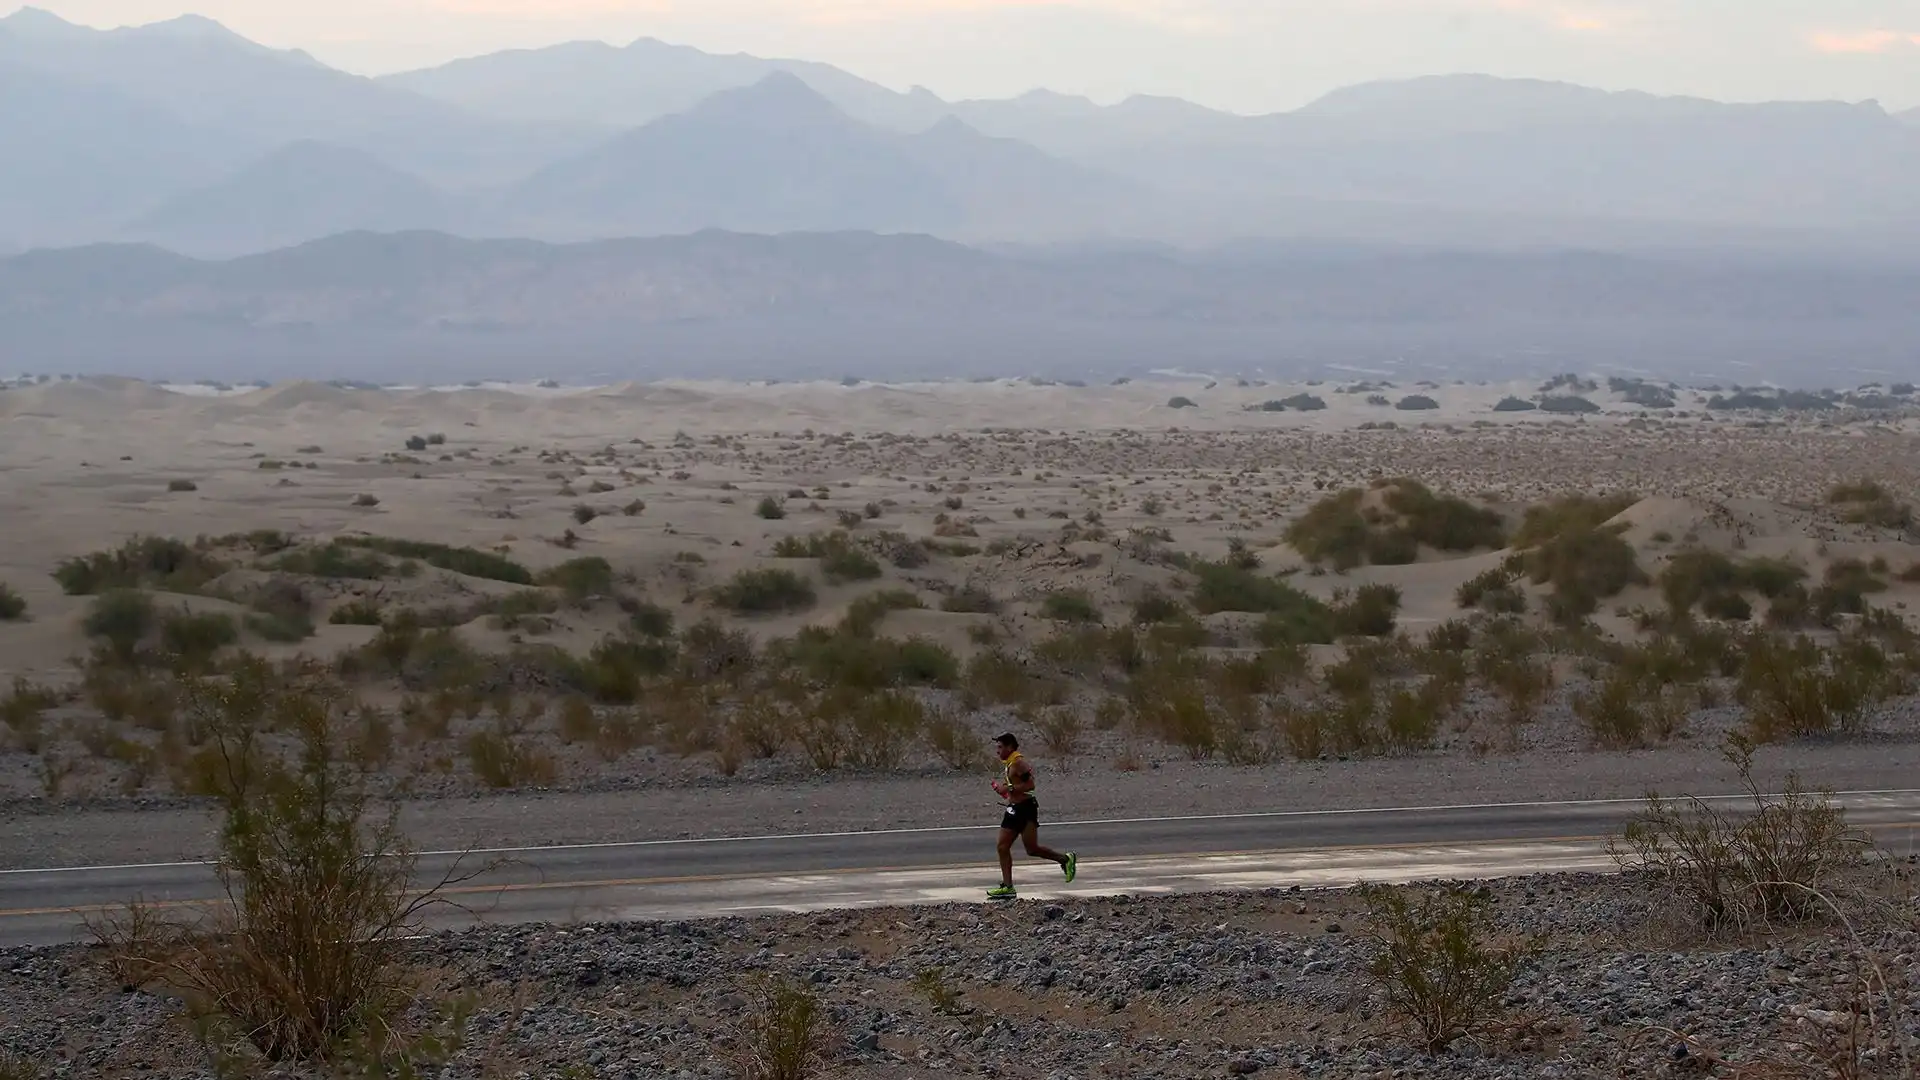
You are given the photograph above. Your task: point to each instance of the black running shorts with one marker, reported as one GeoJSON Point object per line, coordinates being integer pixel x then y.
{"type": "Point", "coordinates": [1020, 815]}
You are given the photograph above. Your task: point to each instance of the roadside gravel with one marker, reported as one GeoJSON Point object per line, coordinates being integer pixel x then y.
{"type": "Point", "coordinates": [1265, 984]}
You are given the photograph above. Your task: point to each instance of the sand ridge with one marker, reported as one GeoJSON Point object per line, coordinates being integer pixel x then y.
{"type": "Point", "coordinates": [1011, 492]}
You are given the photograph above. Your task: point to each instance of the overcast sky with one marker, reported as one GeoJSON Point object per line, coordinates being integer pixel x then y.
{"type": "Point", "coordinates": [1243, 55]}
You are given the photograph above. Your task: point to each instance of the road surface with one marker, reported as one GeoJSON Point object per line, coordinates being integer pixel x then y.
{"type": "Point", "coordinates": [677, 879]}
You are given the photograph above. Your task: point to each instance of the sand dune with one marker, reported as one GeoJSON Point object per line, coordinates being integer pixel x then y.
{"type": "Point", "coordinates": [1007, 491]}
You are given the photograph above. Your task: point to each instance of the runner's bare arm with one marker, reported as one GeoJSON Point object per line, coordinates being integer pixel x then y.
{"type": "Point", "coordinates": [1022, 779]}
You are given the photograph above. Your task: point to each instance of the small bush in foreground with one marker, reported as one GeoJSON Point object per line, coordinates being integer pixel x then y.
{"type": "Point", "coordinates": [13, 606]}
{"type": "Point", "coordinates": [1734, 870]}
{"type": "Point", "coordinates": [785, 1036]}
{"type": "Point", "coordinates": [1434, 963]}
{"type": "Point", "coordinates": [302, 956]}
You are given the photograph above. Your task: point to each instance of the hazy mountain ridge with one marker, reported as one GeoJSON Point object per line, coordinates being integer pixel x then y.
{"type": "Point", "coordinates": [300, 191]}
{"type": "Point", "coordinates": [718, 302]}
{"type": "Point", "coordinates": [180, 132]}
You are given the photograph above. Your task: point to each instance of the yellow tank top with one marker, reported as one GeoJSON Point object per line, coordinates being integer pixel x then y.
{"type": "Point", "coordinates": [1013, 759]}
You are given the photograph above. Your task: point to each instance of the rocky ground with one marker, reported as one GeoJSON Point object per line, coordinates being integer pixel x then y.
{"type": "Point", "coordinates": [1266, 984]}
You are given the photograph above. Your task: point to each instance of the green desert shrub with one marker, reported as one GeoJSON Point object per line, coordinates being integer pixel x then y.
{"type": "Point", "coordinates": [1569, 513]}
{"type": "Point", "coordinates": [1845, 587]}
{"type": "Point", "coordinates": [1347, 530]}
{"type": "Point", "coordinates": [849, 564]}
{"type": "Point", "coordinates": [1715, 582]}
{"type": "Point", "coordinates": [1070, 605]}
{"type": "Point", "coordinates": [971, 599]}
{"type": "Point", "coordinates": [765, 591]}
{"type": "Point", "coordinates": [13, 606]}
{"type": "Point", "coordinates": [304, 956]}
{"type": "Point", "coordinates": [336, 560]}
{"type": "Point", "coordinates": [1794, 688]}
{"type": "Point", "coordinates": [1755, 866]}
{"type": "Point", "coordinates": [356, 612]}
{"type": "Point", "coordinates": [1369, 612]}
{"type": "Point", "coordinates": [1866, 502]}
{"type": "Point", "coordinates": [142, 562]}
{"type": "Point", "coordinates": [1300, 620]}
{"type": "Point", "coordinates": [122, 618]}
{"type": "Point", "coordinates": [615, 670]}
{"type": "Point", "coordinates": [469, 562]}
{"type": "Point", "coordinates": [647, 618]}
{"type": "Point", "coordinates": [840, 559]}
{"type": "Point", "coordinates": [866, 613]}
{"type": "Point", "coordinates": [580, 578]}
{"type": "Point", "coordinates": [1436, 961]}
{"type": "Point", "coordinates": [1226, 587]}
{"type": "Point", "coordinates": [1156, 607]}
{"type": "Point", "coordinates": [1584, 562]}
{"type": "Point", "coordinates": [1495, 591]}
{"type": "Point", "coordinates": [191, 639]}
{"type": "Point", "coordinates": [866, 662]}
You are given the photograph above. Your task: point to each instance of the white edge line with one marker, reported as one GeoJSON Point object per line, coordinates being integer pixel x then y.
{"type": "Point", "coordinates": [1259, 816]}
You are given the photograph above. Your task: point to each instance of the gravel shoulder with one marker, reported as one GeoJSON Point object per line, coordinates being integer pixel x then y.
{"type": "Point", "coordinates": [1264, 984]}
{"type": "Point", "coordinates": [38, 834]}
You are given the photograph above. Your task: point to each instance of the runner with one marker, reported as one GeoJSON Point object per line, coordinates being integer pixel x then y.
{"type": "Point", "coordinates": [1022, 818]}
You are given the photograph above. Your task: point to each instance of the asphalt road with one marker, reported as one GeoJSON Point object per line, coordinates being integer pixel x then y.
{"type": "Point", "coordinates": [745, 875]}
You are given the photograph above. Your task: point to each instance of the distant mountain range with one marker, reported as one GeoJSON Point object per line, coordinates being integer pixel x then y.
{"type": "Point", "coordinates": [186, 135]}
{"type": "Point", "coordinates": [430, 306]}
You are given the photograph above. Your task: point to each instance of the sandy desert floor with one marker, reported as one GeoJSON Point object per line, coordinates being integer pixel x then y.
{"type": "Point", "coordinates": [989, 522]}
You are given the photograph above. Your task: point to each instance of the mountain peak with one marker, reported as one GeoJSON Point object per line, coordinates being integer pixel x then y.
{"type": "Point", "coordinates": [779, 97]}
{"type": "Point", "coordinates": [38, 22]}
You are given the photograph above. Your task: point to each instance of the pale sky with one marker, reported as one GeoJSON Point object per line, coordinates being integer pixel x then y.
{"type": "Point", "coordinates": [1243, 55]}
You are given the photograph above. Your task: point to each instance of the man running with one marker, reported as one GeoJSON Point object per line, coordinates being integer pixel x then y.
{"type": "Point", "coordinates": [1022, 818]}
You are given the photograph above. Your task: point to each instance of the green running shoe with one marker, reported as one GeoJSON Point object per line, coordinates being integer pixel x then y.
{"type": "Point", "coordinates": [1001, 892]}
{"type": "Point", "coordinates": [1071, 866]}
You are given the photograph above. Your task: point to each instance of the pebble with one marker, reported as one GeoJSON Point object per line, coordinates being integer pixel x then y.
{"type": "Point", "coordinates": [1060, 988]}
